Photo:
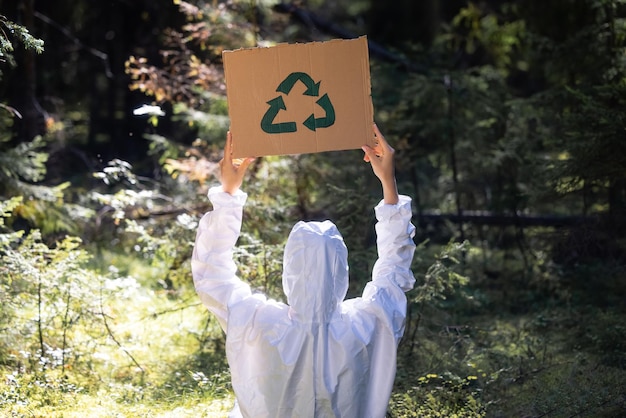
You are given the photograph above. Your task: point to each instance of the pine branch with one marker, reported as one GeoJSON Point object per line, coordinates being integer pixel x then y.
{"type": "Point", "coordinates": [17, 33]}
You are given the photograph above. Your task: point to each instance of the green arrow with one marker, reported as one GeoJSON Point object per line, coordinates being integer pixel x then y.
{"type": "Point", "coordinates": [312, 122]}
{"type": "Point", "coordinates": [267, 123]}
{"type": "Point", "coordinates": [312, 88]}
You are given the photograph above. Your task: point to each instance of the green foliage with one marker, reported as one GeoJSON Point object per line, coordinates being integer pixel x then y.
{"type": "Point", "coordinates": [210, 120]}
{"type": "Point", "coordinates": [520, 111]}
{"type": "Point", "coordinates": [11, 32]}
{"type": "Point", "coordinates": [70, 329]}
{"type": "Point", "coordinates": [23, 165]}
{"type": "Point", "coordinates": [541, 373]}
{"type": "Point", "coordinates": [26, 161]}
{"type": "Point", "coordinates": [261, 265]}
{"type": "Point", "coordinates": [437, 397]}
{"type": "Point", "coordinates": [474, 29]}
{"type": "Point", "coordinates": [482, 141]}
{"type": "Point", "coordinates": [594, 133]}
{"type": "Point", "coordinates": [53, 290]}
{"type": "Point", "coordinates": [6, 207]}
{"type": "Point", "coordinates": [133, 208]}
{"type": "Point", "coordinates": [440, 278]}
{"type": "Point", "coordinates": [42, 206]}
{"type": "Point", "coordinates": [32, 161]}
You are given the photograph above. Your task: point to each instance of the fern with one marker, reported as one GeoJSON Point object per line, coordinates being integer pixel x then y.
{"type": "Point", "coordinates": [25, 161]}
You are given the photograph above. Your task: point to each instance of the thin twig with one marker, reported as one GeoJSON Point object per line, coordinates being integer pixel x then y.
{"type": "Point", "coordinates": [39, 315]}
{"type": "Point", "coordinates": [110, 332]}
{"type": "Point", "coordinates": [166, 311]}
{"type": "Point", "coordinates": [65, 325]}
{"type": "Point", "coordinates": [93, 51]}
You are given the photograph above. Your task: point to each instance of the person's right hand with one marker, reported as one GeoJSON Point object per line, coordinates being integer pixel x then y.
{"type": "Point", "coordinates": [381, 158]}
{"type": "Point", "coordinates": [232, 172]}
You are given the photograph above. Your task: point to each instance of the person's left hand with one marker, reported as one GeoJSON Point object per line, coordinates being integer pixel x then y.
{"type": "Point", "coordinates": [232, 171]}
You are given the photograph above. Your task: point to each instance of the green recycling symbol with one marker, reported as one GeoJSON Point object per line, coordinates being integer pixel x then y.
{"type": "Point", "coordinates": [277, 104]}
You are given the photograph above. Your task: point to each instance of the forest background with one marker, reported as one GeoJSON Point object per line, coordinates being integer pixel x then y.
{"type": "Point", "coordinates": [508, 118]}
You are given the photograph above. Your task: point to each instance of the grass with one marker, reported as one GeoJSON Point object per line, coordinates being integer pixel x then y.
{"type": "Point", "coordinates": [159, 355]}
{"type": "Point", "coordinates": [105, 405]}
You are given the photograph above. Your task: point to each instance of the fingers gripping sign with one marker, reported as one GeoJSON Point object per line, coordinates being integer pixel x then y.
{"type": "Point", "coordinates": [232, 170]}
{"type": "Point", "coordinates": [381, 158]}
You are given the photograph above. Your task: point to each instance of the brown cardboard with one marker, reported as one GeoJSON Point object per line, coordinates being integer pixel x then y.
{"type": "Point", "coordinates": [299, 98]}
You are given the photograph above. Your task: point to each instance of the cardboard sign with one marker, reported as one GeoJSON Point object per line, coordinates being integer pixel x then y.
{"type": "Point", "coordinates": [299, 98]}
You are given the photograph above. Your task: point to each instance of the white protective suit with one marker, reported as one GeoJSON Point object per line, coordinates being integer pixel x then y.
{"type": "Point", "coordinates": [319, 356]}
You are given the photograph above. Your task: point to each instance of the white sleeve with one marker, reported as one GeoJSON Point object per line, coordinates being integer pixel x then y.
{"type": "Point", "coordinates": [212, 265]}
{"type": "Point", "coordinates": [395, 232]}
{"type": "Point", "coordinates": [392, 275]}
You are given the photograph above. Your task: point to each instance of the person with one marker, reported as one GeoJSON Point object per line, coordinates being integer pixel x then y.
{"type": "Point", "coordinates": [318, 355]}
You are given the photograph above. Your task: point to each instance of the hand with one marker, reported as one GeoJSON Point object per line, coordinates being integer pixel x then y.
{"type": "Point", "coordinates": [232, 171]}
{"type": "Point", "coordinates": [381, 158]}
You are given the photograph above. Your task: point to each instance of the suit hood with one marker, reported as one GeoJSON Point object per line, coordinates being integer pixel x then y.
{"type": "Point", "coordinates": [315, 271]}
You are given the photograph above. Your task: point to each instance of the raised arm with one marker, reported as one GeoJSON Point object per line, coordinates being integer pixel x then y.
{"type": "Point", "coordinates": [212, 265]}
{"type": "Point", "coordinates": [392, 275]}
{"type": "Point", "coordinates": [394, 229]}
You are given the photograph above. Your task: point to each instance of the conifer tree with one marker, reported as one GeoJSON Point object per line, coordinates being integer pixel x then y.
{"type": "Point", "coordinates": [25, 162]}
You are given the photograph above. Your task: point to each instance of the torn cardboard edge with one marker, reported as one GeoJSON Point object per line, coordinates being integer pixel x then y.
{"type": "Point", "coordinates": [299, 98]}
